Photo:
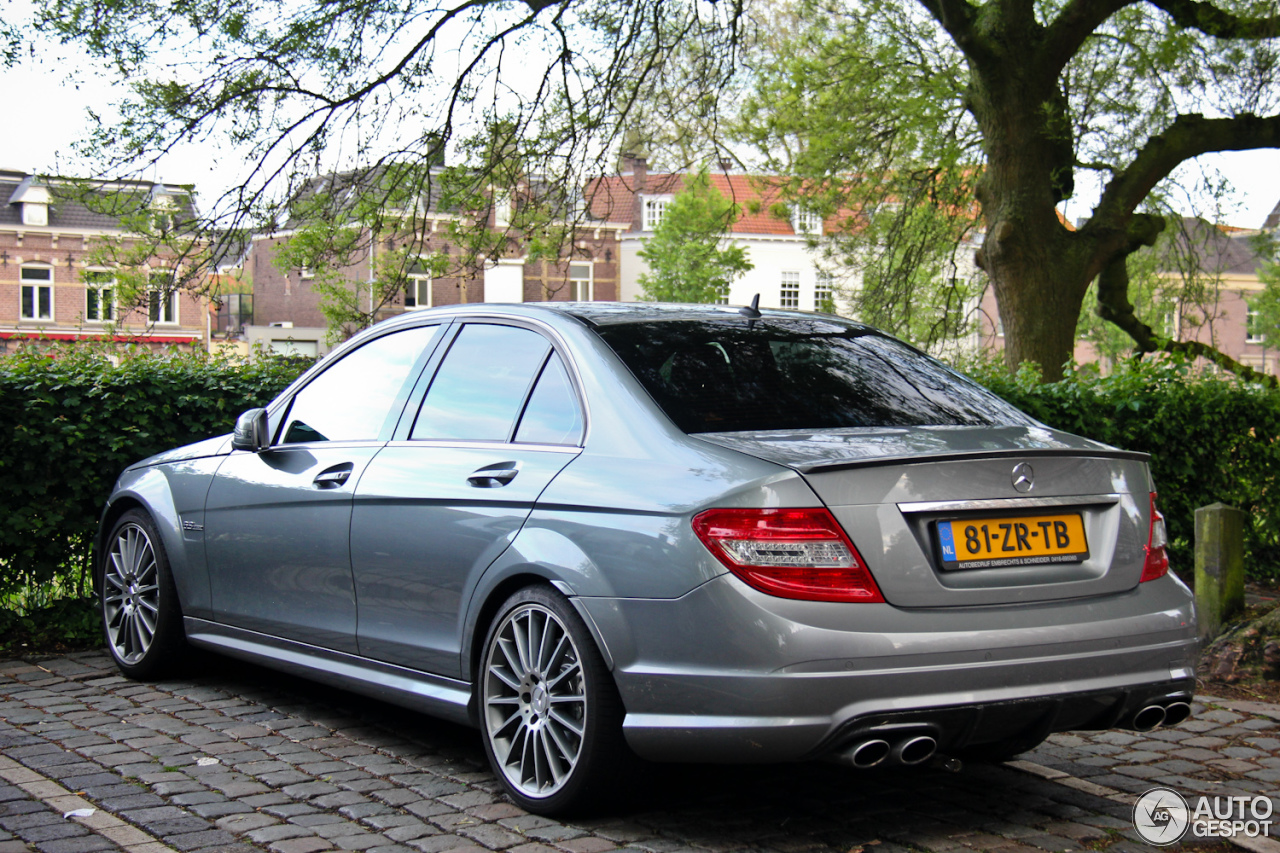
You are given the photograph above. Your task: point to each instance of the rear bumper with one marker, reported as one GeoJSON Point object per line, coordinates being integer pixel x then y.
{"type": "Point", "coordinates": [730, 675]}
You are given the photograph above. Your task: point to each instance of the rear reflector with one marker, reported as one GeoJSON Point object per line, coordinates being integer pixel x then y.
{"type": "Point", "coordinates": [790, 553]}
{"type": "Point", "coordinates": [1157, 563]}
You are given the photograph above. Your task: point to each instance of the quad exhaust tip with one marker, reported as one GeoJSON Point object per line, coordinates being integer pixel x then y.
{"type": "Point", "coordinates": [1176, 712]}
{"type": "Point", "coordinates": [873, 752]}
{"type": "Point", "coordinates": [869, 753]}
{"type": "Point", "coordinates": [913, 750]}
{"type": "Point", "coordinates": [1151, 716]}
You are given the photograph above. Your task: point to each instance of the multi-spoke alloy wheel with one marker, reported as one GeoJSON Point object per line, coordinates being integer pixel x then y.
{"type": "Point", "coordinates": [535, 707]}
{"type": "Point", "coordinates": [131, 594]}
{"type": "Point", "coordinates": [551, 716]}
{"type": "Point", "coordinates": [140, 611]}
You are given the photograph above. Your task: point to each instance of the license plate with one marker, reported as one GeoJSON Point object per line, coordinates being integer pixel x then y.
{"type": "Point", "coordinates": [984, 543]}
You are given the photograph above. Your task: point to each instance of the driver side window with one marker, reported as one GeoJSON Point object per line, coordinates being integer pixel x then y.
{"type": "Point", "coordinates": [353, 398]}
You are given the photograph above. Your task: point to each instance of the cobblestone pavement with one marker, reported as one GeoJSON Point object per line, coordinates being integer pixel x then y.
{"type": "Point", "coordinates": [237, 758]}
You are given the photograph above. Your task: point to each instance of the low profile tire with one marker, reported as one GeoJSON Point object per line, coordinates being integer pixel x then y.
{"type": "Point", "coordinates": [549, 711]}
{"type": "Point", "coordinates": [140, 613]}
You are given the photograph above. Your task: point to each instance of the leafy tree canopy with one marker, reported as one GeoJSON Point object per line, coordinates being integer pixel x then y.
{"type": "Point", "coordinates": [688, 256]}
{"type": "Point", "coordinates": [883, 106]}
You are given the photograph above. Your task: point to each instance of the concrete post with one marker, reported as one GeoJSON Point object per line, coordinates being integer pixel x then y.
{"type": "Point", "coordinates": [1219, 566]}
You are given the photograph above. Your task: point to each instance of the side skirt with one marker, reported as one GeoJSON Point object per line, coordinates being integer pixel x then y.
{"type": "Point", "coordinates": [441, 697]}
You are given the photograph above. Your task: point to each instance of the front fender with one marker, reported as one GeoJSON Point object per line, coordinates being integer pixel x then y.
{"type": "Point", "coordinates": [172, 495]}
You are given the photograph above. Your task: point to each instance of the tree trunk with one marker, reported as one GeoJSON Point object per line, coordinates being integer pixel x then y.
{"type": "Point", "coordinates": [1037, 267]}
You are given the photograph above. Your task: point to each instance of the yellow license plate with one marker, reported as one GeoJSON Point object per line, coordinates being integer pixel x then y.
{"type": "Point", "coordinates": [982, 543]}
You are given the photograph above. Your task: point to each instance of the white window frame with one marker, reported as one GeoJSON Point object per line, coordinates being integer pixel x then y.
{"type": "Point", "coordinates": [805, 222]}
{"type": "Point", "coordinates": [501, 209]}
{"type": "Point", "coordinates": [655, 207]}
{"type": "Point", "coordinates": [789, 290]}
{"type": "Point", "coordinates": [576, 293]}
{"type": "Point", "coordinates": [112, 306]}
{"type": "Point", "coordinates": [36, 285]}
{"type": "Point", "coordinates": [415, 282]}
{"type": "Point", "coordinates": [824, 289]}
{"type": "Point", "coordinates": [1251, 337]}
{"type": "Point", "coordinates": [166, 297]}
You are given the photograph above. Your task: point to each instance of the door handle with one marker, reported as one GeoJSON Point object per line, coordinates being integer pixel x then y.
{"type": "Point", "coordinates": [493, 476]}
{"type": "Point", "coordinates": [333, 477]}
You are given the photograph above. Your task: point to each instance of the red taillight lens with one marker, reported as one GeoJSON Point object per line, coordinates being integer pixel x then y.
{"type": "Point", "coordinates": [1157, 563]}
{"type": "Point", "coordinates": [790, 553]}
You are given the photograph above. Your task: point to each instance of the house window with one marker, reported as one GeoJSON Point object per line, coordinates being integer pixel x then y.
{"type": "Point", "coordinates": [37, 293]}
{"type": "Point", "coordinates": [580, 289]}
{"type": "Point", "coordinates": [1252, 320]}
{"type": "Point", "coordinates": [162, 298]}
{"type": "Point", "coordinates": [790, 290]}
{"type": "Point", "coordinates": [654, 210]}
{"type": "Point", "coordinates": [501, 209]}
{"type": "Point", "coordinates": [806, 221]}
{"type": "Point", "coordinates": [99, 297]}
{"type": "Point", "coordinates": [417, 289]}
{"type": "Point", "coordinates": [34, 213]}
{"type": "Point", "coordinates": [824, 292]}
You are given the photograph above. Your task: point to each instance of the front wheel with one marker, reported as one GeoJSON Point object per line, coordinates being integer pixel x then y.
{"type": "Point", "coordinates": [550, 713]}
{"type": "Point", "coordinates": [140, 612]}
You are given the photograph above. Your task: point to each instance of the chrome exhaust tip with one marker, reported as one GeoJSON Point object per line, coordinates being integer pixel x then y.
{"type": "Point", "coordinates": [868, 753]}
{"type": "Point", "coordinates": [1148, 718]}
{"type": "Point", "coordinates": [914, 750]}
{"type": "Point", "coordinates": [1176, 712]}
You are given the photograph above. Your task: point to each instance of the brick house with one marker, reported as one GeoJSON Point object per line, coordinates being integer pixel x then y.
{"type": "Point", "coordinates": [52, 286]}
{"type": "Point", "coordinates": [285, 303]}
{"type": "Point", "coordinates": [1224, 262]}
{"type": "Point", "coordinates": [786, 272]}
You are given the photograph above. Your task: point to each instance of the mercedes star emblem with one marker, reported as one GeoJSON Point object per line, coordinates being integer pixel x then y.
{"type": "Point", "coordinates": [1024, 479]}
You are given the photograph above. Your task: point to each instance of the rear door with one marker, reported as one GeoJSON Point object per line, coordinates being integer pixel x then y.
{"type": "Point", "coordinates": [500, 418]}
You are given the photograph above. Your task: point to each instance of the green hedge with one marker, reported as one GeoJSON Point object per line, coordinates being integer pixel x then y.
{"type": "Point", "coordinates": [73, 419]}
{"type": "Point", "coordinates": [1211, 438]}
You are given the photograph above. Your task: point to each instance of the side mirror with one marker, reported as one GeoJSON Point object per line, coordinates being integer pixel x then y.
{"type": "Point", "coordinates": [252, 431]}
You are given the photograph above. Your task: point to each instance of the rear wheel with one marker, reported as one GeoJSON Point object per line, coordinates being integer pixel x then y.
{"type": "Point", "coordinates": [140, 613]}
{"type": "Point", "coordinates": [550, 713]}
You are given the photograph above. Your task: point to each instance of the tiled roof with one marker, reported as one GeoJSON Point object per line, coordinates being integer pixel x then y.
{"type": "Point", "coordinates": [611, 198]}
{"type": "Point", "coordinates": [67, 208]}
{"type": "Point", "coordinates": [1215, 252]}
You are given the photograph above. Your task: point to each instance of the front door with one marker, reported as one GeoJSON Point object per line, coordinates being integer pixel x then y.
{"type": "Point", "coordinates": [277, 523]}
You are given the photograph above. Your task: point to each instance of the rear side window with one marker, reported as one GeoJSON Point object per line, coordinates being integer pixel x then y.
{"type": "Point", "coordinates": [552, 415]}
{"type": "Point", "coordinates": [479, 390]}
{"type": "Point", "coordinates": [730, 375]}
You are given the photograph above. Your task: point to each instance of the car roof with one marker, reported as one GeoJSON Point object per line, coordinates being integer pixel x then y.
{"type": "Point", "coordinates": [612, 313]}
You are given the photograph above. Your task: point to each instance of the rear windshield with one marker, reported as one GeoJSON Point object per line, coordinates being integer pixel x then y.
{"type": "Point", "coordinates": [728, 376]}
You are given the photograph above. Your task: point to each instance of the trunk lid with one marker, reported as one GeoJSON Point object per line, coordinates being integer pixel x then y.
{"type": "Point", "coordinates": [915, 500]}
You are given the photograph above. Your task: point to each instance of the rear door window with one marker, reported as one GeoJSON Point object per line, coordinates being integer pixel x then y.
{"type": "Point", "coordinates": [481, 387]}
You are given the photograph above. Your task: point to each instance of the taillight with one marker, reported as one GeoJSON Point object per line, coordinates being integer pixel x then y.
{"type": "Point", "coordinates": [1157, 563]}
{"type": "Point", "coordinates": [790, 553]}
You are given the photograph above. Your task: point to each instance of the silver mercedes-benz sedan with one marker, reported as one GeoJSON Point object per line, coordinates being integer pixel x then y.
{"type": "Point", "coordinates": [679, 532]}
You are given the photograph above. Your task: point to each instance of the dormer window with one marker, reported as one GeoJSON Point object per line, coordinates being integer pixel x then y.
{"type": "Point", "coordinates": [654, 210]}
{"type": "Point", "coordinates": [806, 221]}
{"type": "Point", "coordinates": [34, 201]}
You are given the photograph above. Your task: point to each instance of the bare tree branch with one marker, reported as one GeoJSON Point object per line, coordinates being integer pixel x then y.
{"type": "Point", "coordinates": [1187, 137]}
{"type": "Point", "coordinates": [1212, 21]}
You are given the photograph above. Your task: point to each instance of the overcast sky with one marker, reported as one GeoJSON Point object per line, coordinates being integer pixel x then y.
{"type": "Point", "coordinates": [47, 97]}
